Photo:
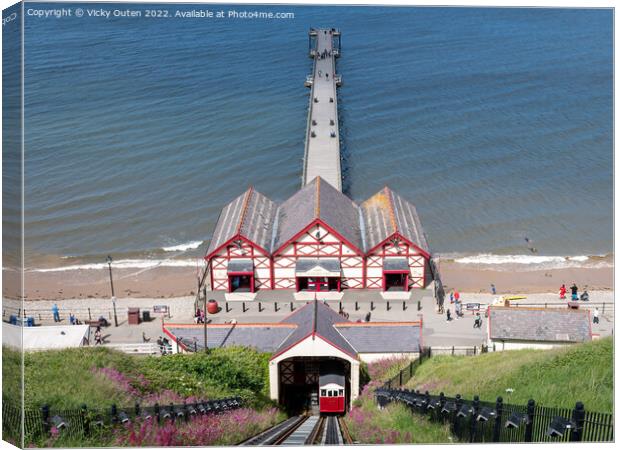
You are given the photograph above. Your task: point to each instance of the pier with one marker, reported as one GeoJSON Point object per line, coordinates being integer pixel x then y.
{"type": "Point", "coordinates": [322, 149]}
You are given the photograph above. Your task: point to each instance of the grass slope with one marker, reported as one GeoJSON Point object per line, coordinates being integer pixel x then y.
{"type": "Point", "coordinates": [100, 377]}
{"type": "Point", "coordinates": [557, 377]}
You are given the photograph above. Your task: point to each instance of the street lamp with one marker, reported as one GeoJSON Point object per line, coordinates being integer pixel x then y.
{"type": "Point", "coordinates": [205, 324]}
{"type": "Point", "coordinates": [109, 261]}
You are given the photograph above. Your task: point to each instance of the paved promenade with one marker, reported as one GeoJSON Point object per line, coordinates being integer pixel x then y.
{"type": "Point", "coordinates": [437, 331]}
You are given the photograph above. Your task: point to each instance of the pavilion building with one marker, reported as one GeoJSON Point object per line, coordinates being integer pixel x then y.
{"type": "Point", "coordinates": [318, 240]}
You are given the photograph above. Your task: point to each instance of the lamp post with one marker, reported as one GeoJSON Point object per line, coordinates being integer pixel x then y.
{"type": "Point", "coordinates": [205, 324]}
{"type": "Point", "coordinates": [109, 261]}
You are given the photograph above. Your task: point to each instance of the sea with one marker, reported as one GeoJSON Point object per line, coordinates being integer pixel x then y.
{"type": "Point", "coordinates": [139, 127]}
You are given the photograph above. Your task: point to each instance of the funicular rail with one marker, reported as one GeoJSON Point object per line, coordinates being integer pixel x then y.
{"type": "Point", "coordinates": [304, 430]}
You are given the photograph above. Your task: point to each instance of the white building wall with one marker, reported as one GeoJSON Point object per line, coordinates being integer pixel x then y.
{"type": "Point", "coordinates": [369, 358]}
{"type": "Point", "coordinates": [313, 347]}
{"type": "Point", "coordinates": [519, 345]}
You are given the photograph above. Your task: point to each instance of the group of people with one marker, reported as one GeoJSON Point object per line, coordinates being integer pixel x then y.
{"type": "Point", "coordinates": [325, 54]}
{"type": "Point", "coordinates": [343, 313]}
{"type": "Point", "coordinates": [574, 293]}
{"type": "Point", "coordinates": [74, 320]}
{"type": "Point", "coordinates": [199, 317]}
{"type": "Point", "coordinates": [164, 345]}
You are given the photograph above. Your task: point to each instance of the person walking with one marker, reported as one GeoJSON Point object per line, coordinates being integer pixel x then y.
{"type": "Point", "coordinates": [493, 290]}
{"type": "Point", "coordinates": [573, 290]}
{"type": "Point", "coordinates": [478, 321]}
{"type": "Point", "coordinates": [448, 315]}
{"type": "Point", "coordinates": [98, 337]}
{"type": "Point", "coordinates": [562, 292]}
{"type": "Point", "coordinates": [56, 313]}
{"type": "Point", "coordinates": [458, 309]}
{"type": "Point", "coordinates": [595, 316]}
{"type": "Point", "coordinates": [451, 296]}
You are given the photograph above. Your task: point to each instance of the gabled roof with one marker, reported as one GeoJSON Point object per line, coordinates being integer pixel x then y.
{"type": "Point", "coordinates": [318, 200]}
{"type": "Point", "coordinates": [250, 215]}
{"type": "Point", "coordinates": [539, 324]}
{"type": "Point", "coordinates": [386, 213]}
{"type": "Point", "coordinates": [315, 318]}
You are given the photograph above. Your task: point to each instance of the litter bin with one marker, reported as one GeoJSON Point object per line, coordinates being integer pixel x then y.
{"type": "Point", "coordinates": [30, 322]}
{"type": "Point", "coordinates": [133, 316]}
{"type": "Point", "coordinates": [13, 319]}
{"type": "Point", "coordinates": [146, 316]}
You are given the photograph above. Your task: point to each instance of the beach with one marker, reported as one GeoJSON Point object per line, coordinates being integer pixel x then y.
{"type": "Point", "coordinates": [169, 282]}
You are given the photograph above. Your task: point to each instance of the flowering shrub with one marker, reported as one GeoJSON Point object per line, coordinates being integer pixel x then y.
{"type": "Point", "coordinates": [120, 380]}
{"type": "Point", "coordinates": [228, 428]}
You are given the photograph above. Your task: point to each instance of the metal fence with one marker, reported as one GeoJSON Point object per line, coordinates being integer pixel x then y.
{"type": "Point", "coordinates": [83, 313]}
{"type": "Point", "coordinates": [479, 421]}
{"type": "Point", "coordinates": [84, 422]}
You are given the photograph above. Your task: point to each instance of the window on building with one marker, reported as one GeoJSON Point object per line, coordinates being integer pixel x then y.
{"type": "Point", "coordinates": [323, 392]}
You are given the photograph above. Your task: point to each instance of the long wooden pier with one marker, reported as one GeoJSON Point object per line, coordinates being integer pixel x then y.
{"type": "Point", "coordinates": [322, 150]}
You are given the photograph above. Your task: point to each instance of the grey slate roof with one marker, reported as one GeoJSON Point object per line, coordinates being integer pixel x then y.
{"type": "Point", "coordinates": [382, 338]}
{"type": "Point", "coordinates": [326, 317]}
{"type": "Point", "coordinates": [240, 265]}
{"type": "Point", "coordinates": [318, 200]}
{"type": "Point", "coordinates": [386, 213]}
{"type": "Point", "coordinates": [328, 264]}
{"type": "Point", "coordinates": [251, 215]}
{"type": "Point", "coordinates": [263, 338]}
{"type": "Point", "coordinates": [395, 264]}
{"type": "Point", "coordinates": [352, 338]}
{"type": "Point", "coordinates": [544, 324]}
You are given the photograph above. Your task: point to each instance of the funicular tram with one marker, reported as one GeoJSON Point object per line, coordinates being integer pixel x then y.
{"type": "Point", "coordinates": [331, 388]}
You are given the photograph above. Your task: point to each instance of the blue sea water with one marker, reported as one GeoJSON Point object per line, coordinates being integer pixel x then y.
{"type": "Point", "coordinates": [496, 123]}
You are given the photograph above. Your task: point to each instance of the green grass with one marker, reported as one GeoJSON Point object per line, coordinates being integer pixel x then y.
{"type": "Point", "coordinates": [393, 425]}
{"type": "Point", "coordinates": [69, 378]}
{"type": "Point", "coordinates": [11, 373]}
{"type": "Point", "coordinates": [557, 377]}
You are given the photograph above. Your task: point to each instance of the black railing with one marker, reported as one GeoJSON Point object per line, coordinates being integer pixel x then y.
{"type": "Point", "coordinates": [480, 421]}
{"type": "Point", "coordinates": [84, 422]}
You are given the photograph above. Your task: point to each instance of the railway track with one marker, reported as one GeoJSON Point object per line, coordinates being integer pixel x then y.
{"type": "Point", "coordinates": [304, 430]}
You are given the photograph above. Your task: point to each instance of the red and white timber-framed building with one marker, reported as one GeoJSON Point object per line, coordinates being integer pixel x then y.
{"type": "Point", "coordinates": [238, 257]}
{"type": "Point", "coordinates": [318, 240]}
{"type": "Point", "coordinates": [398, 255]}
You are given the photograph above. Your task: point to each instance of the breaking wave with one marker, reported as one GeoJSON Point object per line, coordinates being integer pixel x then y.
{"type": "Point", "coordinates": [183, 247]}
{"type": "Point", "coordinates": [124, 264]}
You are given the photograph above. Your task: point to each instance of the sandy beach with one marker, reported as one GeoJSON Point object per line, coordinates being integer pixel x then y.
{"type": "Point", "coordinates": [168, 282]}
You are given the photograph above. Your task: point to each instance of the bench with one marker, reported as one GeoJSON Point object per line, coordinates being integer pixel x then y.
{"type": "Point", "coordinates": [97, 323]}
{"type": "Point", "coordinates": [473, 307]}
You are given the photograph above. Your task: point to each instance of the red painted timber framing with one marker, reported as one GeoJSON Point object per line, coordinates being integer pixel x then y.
{"type": "Point", "coordinates": [231, 240]}
{"type": "Point", "coordinates": [373, 250]}
{"type": "Point", "coordinates": [304, 230]}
